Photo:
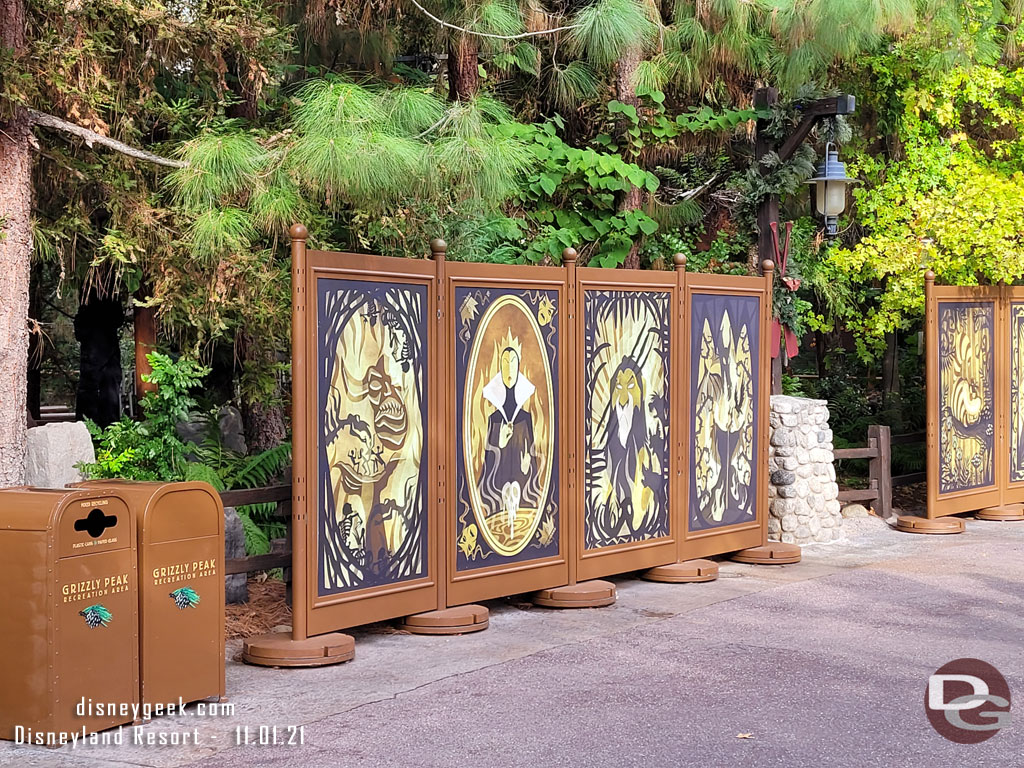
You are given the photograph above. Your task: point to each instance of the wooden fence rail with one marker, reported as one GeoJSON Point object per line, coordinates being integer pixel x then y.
{"type": "Point", "coordinates": [281, 555]}
{"type": "Point", "coordinates": [878, 452]}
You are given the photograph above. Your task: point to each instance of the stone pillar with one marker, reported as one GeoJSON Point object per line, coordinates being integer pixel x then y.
{"type": "Point", "coordinates": [803, 497]}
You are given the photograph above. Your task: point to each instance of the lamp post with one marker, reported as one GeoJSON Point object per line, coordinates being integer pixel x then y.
{"type": "Point", "coordinates": [829, 193]}
{"type": "Point", "coordinates": [829, 186]}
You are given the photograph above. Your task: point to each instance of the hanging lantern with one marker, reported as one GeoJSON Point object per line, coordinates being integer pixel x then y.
{"type": "Point", "coordinates": [829, 191]}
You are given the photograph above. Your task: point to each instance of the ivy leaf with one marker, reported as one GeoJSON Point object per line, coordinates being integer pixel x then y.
{"type": "Point", "coordinates": [549, 182]}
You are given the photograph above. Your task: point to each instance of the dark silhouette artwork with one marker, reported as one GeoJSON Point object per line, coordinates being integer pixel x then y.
{"type": "Point", "coordinates": [626, 359]}
{"type": "Point", "coordinates": [372, 427]}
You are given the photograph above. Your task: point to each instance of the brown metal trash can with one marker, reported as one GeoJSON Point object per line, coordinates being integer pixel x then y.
{"type": "Point", "coordinates": [181, 587]}
{"type": "Point", "coordinates": [69, 603]}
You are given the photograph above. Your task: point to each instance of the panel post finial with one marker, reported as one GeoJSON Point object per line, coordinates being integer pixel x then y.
{"type": "Point", "coordinates": [298, 232]}
{"type": "Point", "coordinates": [438, 248]}
{"type": "Point", "coordinates": [680, 261]}
{"type": "Point", "coordinates": [767, 266]}
{"type": "Point", "coordinates": [569, 256]}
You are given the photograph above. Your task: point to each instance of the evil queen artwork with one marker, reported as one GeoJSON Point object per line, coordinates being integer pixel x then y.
{"type": "Point", "coordinates": [506, 351]}
{"type": "Point", "coordinates": [510, 467]}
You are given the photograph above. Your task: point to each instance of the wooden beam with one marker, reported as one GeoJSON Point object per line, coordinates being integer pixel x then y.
{"type": "Point", "coordinates": [274, 493]}
{"type": "Point", "coordinates": [812, 113]}
{"type": "Point", "coordinates": [258, 563]}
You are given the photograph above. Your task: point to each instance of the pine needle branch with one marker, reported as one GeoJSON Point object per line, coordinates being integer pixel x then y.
{"type": "Point", "coordinates": [520, 36]}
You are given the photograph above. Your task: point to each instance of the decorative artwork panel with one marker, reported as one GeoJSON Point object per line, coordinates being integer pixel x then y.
{"type": "Point", "coordinates": [725, 373]}
{"type": "Point", "coordinates": [506, 378]}
{"type": "Point", "coordinates": [372, 432]}
{"type": "Point", "coordinates": [966, 399]}
{"type": "Point", "coordinates": [626, 362]}
{"type": "Point", "coordinates": [1016, 437]}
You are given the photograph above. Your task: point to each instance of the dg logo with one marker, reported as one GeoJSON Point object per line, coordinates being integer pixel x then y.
{"type": "Point", "coordinates": [967, 701]}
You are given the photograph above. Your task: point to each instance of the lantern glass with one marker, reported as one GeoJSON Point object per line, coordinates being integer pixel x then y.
{"type": "Point", "coordinates": [831, 197]}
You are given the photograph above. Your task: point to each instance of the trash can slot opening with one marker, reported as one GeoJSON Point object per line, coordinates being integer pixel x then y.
{"type": "Point", "coordinates": [95, 523]}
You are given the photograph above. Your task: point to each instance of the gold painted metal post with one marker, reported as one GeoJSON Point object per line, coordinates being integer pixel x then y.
{"type": "Point", "coordinates": [299, 235]}
{"type": "Point", "coordinates": [769, 552]}
{"type": "Point", "coordinates": [696, 569]}
{"type": "Point", "coordinates": [279, 649]}
{"type": "Point", "coordinates": [458, 619]}
{"type": "Point", "coordinates": [594, 593]}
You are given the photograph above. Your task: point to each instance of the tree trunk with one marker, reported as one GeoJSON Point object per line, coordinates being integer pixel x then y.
{"type": "Point", "coordinates": [891, 366]}
{"type": "Point", "coordinates": [36, 346]}
{"type": "Point", "coordinates": [632, 198]}
{"type": "Point", "coordinates": [145, 343]}
{"type": "Point", "coordinates": [263, 414]}
{"type": "Point", "coordinates": [15, 257]}
{"type": "Point", "coordinates": [245, 106]}
{"type": "Point", "coordinates": [463, 67]}
{"type": "Point", "coordinates": [264, 426]}
{"type": "Point", "coordinates": [98, 330]}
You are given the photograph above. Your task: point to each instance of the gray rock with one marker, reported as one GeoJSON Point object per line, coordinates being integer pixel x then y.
{"type": "Point", "coordinates": [855, 510]}
{"type": "Point", "coordinates": [53, 450]}
{"type": "Point", "coordinates": [236, 590]}
{"type": "Point", "coordinates": [782, 437]}
{"type": "Point", "coordinates": [229, 427]}
{"type": "Point", "coordinates": [782, 477]}
{"type": "Point", "coordinates": [232, 430]}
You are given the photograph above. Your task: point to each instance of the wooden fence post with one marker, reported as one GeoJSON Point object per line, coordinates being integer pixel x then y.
{"type": "Point", "coordinates": [880, 468]}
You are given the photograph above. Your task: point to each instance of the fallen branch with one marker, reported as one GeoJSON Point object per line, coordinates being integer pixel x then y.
{"type": "Point", "coordinates": [91, 137]}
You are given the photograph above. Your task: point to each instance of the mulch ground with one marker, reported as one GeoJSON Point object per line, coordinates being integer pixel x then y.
{"type": "Point", "coordinates": [910, 499]}
{"type": "Point", "coordinates": [266, 609]}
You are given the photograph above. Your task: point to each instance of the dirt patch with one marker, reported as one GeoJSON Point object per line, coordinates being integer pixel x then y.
{"type": "Point", "coordinates": [910, 499]}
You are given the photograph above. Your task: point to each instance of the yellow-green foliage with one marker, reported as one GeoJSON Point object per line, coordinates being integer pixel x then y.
{"type": "Point", "coordinates": [954, 204]}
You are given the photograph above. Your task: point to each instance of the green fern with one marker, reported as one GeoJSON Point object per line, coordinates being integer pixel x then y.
{"type": "Point", "coordinates": [257, 542]}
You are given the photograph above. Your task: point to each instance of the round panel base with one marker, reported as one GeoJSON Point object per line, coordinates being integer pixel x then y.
{"type": "Point", "coordinates": [459, 620]}
{"type": "Point", "coordinates": [936, 525]}
{"type": "Point", "coordinates": [772, 553]}
{"type": "Point", "coordinates": [587, 594]}
{"type": "Point", "coordinates": [1006, 513]}
{"type": "Point", "coordinates": [683, 573]}
{"type": "Point", "coordinates": [278, 649]}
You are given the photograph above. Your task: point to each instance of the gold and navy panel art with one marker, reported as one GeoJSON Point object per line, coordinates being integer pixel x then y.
{"type": "Point", "coordinates": [1016, 436]}
{"type": "Point", "coordinates": [725, 370]}
{"type": "Point", "coordinates": [966, 400]}
{"type": "Point", "coordinates": [506, 379]}
{"type": "Point", "coordinates": [626, 363]}
{"type": "Point", "coordinates": [372, 418]}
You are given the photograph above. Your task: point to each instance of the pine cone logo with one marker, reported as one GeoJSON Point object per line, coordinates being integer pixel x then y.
{"type": "Point", "coordinates": [186, 597]}
{"type": "Point", "coordinates": [96, 616]}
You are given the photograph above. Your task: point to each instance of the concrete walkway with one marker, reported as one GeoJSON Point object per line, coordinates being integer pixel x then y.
{"type": "Point", "coordinates": [821, 663]}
